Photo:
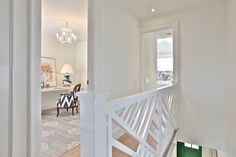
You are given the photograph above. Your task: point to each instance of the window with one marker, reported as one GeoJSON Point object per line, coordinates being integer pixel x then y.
{"type": "Point", "coordinates": [165, 60]}
{"type": "Point", "coordinates": [191, 145]}
{"type": "Point", "coordinates": [188, 145]}
{"type": "Point", "coordinates": [195, 146]}
{"type": "Point", "coordinates": [159, 56]}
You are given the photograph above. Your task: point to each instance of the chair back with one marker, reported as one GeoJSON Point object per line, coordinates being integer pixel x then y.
{"type": "Point", "coordinates": [76, 89]}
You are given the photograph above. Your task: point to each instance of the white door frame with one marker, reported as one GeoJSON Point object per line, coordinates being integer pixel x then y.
{"type": "Point", "coordinates": [25, 111]}
{"type": "Point", "coordinates": [26, 94]}
{"type": "Point", "coordinates": [6, 70]}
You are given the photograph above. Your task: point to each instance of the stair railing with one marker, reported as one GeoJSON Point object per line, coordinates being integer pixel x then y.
{"type": "Point", "coordinates": [146, 117]}
{"type": "Point", "coordinates": [215, 153]}
{"type": "Point", "coordinates": [168, 147]}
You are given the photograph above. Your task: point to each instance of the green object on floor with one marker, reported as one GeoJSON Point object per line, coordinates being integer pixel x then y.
{"type": "Point", "coordinates": [183, 151]}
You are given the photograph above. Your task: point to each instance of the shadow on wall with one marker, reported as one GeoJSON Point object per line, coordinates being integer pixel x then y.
{"type": "Point", "coordinates": [184, 120]}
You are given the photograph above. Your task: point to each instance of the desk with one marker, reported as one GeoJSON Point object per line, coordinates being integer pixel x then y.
{"type": "Point", "coordinates": [50, 96]}
{"type": "Point", "coordinates": [55, 89]}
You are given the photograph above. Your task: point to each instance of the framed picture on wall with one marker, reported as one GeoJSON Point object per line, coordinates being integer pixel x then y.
{"type": "Point", "coordinates": [48, 71]}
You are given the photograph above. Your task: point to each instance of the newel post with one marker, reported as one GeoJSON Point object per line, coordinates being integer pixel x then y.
{"type": "Point", "coordinates": [93, 125]}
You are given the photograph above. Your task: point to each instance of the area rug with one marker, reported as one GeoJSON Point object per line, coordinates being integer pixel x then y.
{"type": "Point", "coordinates": [59, 134]}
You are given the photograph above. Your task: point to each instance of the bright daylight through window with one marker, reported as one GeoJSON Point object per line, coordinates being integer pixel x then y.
{"type": "Point", "coordinates": [165, 66]}
{"type": "Point", "coordinates": [191, 145]}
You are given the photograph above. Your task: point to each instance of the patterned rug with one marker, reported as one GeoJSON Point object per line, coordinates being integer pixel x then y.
{"type": "Point", "coordinates": [59, 134]}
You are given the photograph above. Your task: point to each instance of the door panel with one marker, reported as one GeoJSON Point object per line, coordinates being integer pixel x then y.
{"type": "Point", "coordinates": [183, 151]}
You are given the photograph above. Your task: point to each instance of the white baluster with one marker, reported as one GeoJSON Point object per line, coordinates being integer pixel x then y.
{"type": "Point", "coordinates": [134, 114]}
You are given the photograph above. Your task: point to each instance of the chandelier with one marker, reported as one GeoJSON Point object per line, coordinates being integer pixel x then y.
{"type": "Point", "coordinates": [66, 36]}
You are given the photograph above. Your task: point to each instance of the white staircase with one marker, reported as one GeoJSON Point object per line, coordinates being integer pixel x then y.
{"type": "Point", "coordinates": [146, 117]}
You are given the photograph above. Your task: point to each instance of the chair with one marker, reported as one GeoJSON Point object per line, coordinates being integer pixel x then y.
{"type": "Point", "coordinates": [76, 99]}
{"type": "Point", "coordinates": [69, 100]}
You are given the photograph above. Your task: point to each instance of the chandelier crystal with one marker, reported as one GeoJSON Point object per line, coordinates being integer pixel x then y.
{"type": "Point", "coordinates": [66, 35]}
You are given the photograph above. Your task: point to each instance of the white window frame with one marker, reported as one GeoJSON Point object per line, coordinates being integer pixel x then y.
{"type": "Point", "coordinates": [176, 69]}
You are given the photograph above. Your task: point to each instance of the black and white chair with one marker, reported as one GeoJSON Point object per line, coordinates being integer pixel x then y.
{"type": "Point", "coordinates": [69, 100]}
{"type": "Point", "coordinates": [75, 90]}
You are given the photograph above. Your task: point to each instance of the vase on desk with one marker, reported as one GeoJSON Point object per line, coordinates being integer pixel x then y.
{"type": "Point", "coordinates": [42, 84]}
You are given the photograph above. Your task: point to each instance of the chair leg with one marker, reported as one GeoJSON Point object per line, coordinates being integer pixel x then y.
{"type": "Point", "coordinates": [72, 111]}
{"type": "Point", "coordinates": [77, 109]}
{"type": "Point", "coordinates": [57, 111]}
{"type": "Point", "coordinates": [67, 109]}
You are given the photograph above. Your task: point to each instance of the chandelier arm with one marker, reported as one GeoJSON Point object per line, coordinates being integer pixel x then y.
{"type": "Point", "coordinates": [66, 35]}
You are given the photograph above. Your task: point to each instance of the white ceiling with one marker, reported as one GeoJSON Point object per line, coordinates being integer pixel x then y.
{"type": "Point", "coordinates": [56, 12]}
{"type": "Point", "coordinates": [142, 8]}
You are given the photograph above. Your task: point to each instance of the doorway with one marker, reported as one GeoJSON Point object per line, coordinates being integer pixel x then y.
{"type": "Point", "coordinates": [64, 65]}
{"type": "Point", "coordinates": [188, 150]}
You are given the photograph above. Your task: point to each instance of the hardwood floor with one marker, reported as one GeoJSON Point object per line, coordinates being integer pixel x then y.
{"type": "Point", "coordinates": [75, 152]}
{"type": "Point", "coordinates": [128, 141]}
{"type": "Point", "coordinates": [125, 139]}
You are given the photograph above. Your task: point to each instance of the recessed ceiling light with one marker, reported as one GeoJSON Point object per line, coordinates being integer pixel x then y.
{"type": "Point", "coordinates": [153, 10]}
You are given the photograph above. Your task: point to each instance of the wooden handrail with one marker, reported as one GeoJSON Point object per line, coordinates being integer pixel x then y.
{"type": "Point", "coordinates": [216, 153]}
{"type": "Point", "coordinates": [167, 149]}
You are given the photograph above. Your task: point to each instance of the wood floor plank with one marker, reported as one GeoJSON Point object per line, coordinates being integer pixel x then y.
{"type": "Point", "coordinates": [125, 139]}
{"type": "Point", "coordinates": [75, 152]}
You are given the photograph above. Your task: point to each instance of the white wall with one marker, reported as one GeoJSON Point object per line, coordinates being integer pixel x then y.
{"type": "Point", "coordinates": [149, 61]}
{"type": "Point", "coordinates": [81, 64]}
{"type": "Point", "coordinates": [202, 71]}
{"type": "Point", "coordinates": [224, 154]}
{"type": "Point", "coordinates": [119, 59]}
{"type": "Point", "coordinates": [230, 116]}
{"type": "Point", "coordinates": [64, 54]}
{"type": "Point", "coordinates": [207, 152]}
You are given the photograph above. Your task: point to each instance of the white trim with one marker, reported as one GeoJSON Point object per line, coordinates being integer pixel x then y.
{"type": "Point", "coordinates": [94, 26]}
{"type": "Point", "coordinates": [87, 128]}
{"type": "Point", "coordinates": [175, 27]}
{"type": "Point", "coordinates": [29, 69]}
{"type": "Point", "coordinates": [10, 77]}
{"type": "Point", "coordinates": [149, 29]}
{"type": "Point", "coordinates": [34, 92]}
{"type": "Point", "coordinates": [20, 79]}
